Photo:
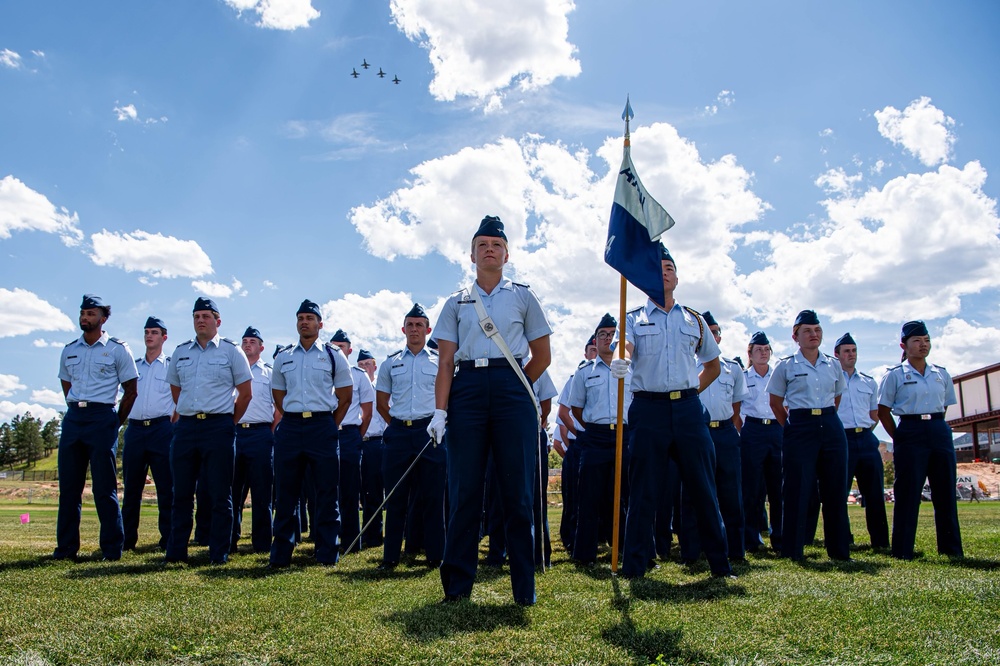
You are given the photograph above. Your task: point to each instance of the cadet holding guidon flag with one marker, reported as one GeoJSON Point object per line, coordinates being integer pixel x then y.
{"type": "Point", "coordinates": [91, 369]}
{"type": "Point", "coordinates": [918, 393]}
{"type": "Point", "coordinates": [147, 438]}
{"type": "Point", "coordinates": [814, 447]}
{"type": "Point", "coordinates": [486, 330]}
{"type": "Point", "coordinates": [312, 388]}
{"type": "Point", "coordinates": [203, 374]}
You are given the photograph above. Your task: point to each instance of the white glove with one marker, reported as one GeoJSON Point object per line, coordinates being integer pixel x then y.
{"type": "Point", "coordinates": [436, 428]}
{"type": "Point", "coordinates": [619, 367]}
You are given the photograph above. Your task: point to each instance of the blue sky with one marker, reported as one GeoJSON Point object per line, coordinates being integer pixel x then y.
{"type": "Point", "coordinates": [841, 158]}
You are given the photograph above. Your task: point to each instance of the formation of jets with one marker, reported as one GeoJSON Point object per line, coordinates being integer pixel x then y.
{"type": "Point", "coordinates": [365, 65]}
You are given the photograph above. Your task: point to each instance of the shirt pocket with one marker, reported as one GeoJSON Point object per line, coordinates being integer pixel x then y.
{"type": "Point", "coordinates": [648, 339]}
{"type": "Point", "coordinates": [105, 366]}
{"type": "Point", "coordinates": [220, 369]}
{"type": "Point", "coordinates": [690, 336]}
{"type": "Point", "coordinates": [427, 376]}
{"type": "Point", "coordinates": [186, 370]}
{"type": "Point", "coordinates": [727, 383]}
{"type": "Point", "coordinates": [74, 367]}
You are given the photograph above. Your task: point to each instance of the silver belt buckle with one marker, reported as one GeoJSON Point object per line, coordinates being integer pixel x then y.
{"type": "Point", "coordinates": [925, 417]}
{"type": "Point", "coordinates": [82, 403]}
{"type": "Point", "coordinates": [482, 362]}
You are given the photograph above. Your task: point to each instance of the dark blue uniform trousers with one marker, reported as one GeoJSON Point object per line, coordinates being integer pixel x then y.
{"type": "Point", "coordinates": [662, 428]}
{"type": "Point", "coordinates": [760, 452]}
{"type": "Point", "coordinates": [490, 411]}
{"type": "Point", "coordinates": [864, 463]}
{"type": "Point", "coordinates": [596, 490]}
{"type": "Point", "coordinates": [372, 490]}
{"type": "Point", "coordinates": [570, 479]}
{"type": "Point", "coordinates": [668, 511]}
{"type": "Point", "coordinates": [815, 448]}
{"type": "Point", "coordinates": [728, 474]}
{"type": "Point", "coordinates": [89, 437]}
{"type": "Point", "coordinates": [254, 473]}
{"type": "Point", "coordinates": [350, 485]}
{"type": "Point", "coordinates": [497, 553]}
{"type": "Point", "coordinates": [424, 487]}
{"type": "Point", "coordinates": [203, 452]}
{"type": "Point", "coordinates": [924, 450]}
{"type": "Point", "coordinates": [147, 450]}
{"type": "Point", "coordinates": [301, 446]}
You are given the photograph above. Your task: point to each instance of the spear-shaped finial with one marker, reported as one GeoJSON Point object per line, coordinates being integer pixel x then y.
{"type": "Point", "coordinates": [627, 115]}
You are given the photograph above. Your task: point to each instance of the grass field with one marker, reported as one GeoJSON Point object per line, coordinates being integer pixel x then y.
{"type": "Point", "coordinates": [873, 610]}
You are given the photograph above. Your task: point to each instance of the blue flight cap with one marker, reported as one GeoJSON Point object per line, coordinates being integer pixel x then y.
{"type": "Point", "coordinates": [205, 304]}
{"type": "Point", "coordinates": [340, 336]}
{"type": "Point", "coordinates": [759, 338]}
{"type": "Point", "coordinates": [252, 332]}
{"type": "Point", "coordinates": [491, 226]}
{"type": "Point", "coordinates": [309, 307]}
{"type": "Point", "coordinates": [845, 339]}
{"type": "Point", "coordinates": [912, 328]}
{"type": "Point", "coordinates": [665, 255]}
{"type": "Point", "coordinates": [607, 321]}
{"type": "Point", "coordinates": [432, 343]}
{"type": "Point", "coordinates": [92, 302]}
{"type": "Point", "coordinates": [592, 342]}
{"type": "Point", "coordinates": [155, 322]}
{"type": "Point", "coordinates": [709, 319]}
{"type": "Point", "coordinates": [365, 355]}
{"type": "Point", "coordinates": [808, 317]}
{"type": "Point", "coordinates": [417, 311]}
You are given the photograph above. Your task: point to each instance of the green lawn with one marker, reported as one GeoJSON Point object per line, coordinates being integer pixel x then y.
{"type": "Point", "coordinates": [873, 610]}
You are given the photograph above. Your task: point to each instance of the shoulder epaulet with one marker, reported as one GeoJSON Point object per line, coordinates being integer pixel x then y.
{"type": "Point", "coordinates": [432, 352]}
{"type": "Point", "coordinates": [168, 359]}
{"type": "Point", "coordinates": [701, 327]}
{"type": "Point", "coordinates": [117, 341]}
{"type": "Point", "coordinates": [785, 358]}
{"type": "Point", "coordinates": [581, 364]}
{"type": "Point", "coordinates": [634, 310]}
{"type": "Point", "coordinates": [71, 342]}
{"type": "Point", "coordinates": [730, 361]}
{"type": "Point", "coordinates": [521, 284]}
{"type": "Point", "coordinates": [398, 351]}
{"type": "Point", "coordinates": [864, 375]}
{"type": "Point", "coordinates": [898, 365]}
{"type": "Point", "coordinates": [230, 342]}
{"type": "Point", "coordinates": [139, 360]}
{"type": "Point", "coordinates": [940, 367]}
{"type": "Point", "coordinates": [692, 311]}
{"type": "Point", "coordinates": [832, 358]}
{"type": "Point", "coordinates": [268, 365]}
{"type": "Point", "coordinates": [187, 342]}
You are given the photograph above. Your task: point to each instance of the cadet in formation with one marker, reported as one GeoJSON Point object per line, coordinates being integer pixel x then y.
{"type": "Point", "coordinates": [91, 369]}
{"type": "Point", "coordinates": [372, 448]}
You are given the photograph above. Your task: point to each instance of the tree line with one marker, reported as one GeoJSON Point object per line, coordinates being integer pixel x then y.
{"type": "Point", "coordinates": [25, 440]}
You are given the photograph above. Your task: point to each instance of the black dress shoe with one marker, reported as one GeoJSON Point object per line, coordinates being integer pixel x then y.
{"type": "Point", "coordinates": [275, 566]}
{"type": "Point", "coordinates": [387, 566]}
{"type": "Point", "coordinates": [452, 598]}
{"type": "Point", "coordinates": [434, 564]}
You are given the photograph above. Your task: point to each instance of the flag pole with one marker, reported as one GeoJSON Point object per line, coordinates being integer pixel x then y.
{"type": "Point", "coordinates": [627, 116]}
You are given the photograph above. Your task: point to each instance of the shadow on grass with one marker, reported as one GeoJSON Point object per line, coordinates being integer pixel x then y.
{"type": "Point", "coordinates": [372, 573]}
{"type": "Point", "coordinates": [436, 621]}
{"type": "Point", "coordinates": [28, 563]}
{"type": "Point", "coordinates": [108, 569]}
{"type": "Point", "coordinates": [709, 589]}
{"type": "Point", "coordinates": [977, 563]}
{"type": "Point", "coordinates": [647, 645]}
{"type": "Point", "coordinates": [844, 566]}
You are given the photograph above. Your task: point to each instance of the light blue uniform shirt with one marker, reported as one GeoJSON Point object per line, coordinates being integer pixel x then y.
{"type": "Point", "coordinates": [95, 371]}
{"type": "Point", "coordinates": [514, 309]}
{"type": "Point", "coordinates": [595, 391]}
{"type": "Point", "coordinates": [664, 343]}
{"type": "Point", "coordinates": [309, 379]}
{"type": "Point", "coordinates": [409, 381]}
{"type": "Point", "coordinates": [758, 401]}
{"type": "Point", "coordinates": [728, 388]}
{"type": "Point", "coordinates": [564, 400]}
{"type": "Point", "coordinates": [858, 400]}
{"type": "Point", "coordinates": [906, 391]}
{"type": "Point", "coordinates": [261, 408]}
{"type": "Point", "coordinates": [207, 376]}
{"type": "Point", "coordinates": [363, 392]}
{"type": "Point", "coordinates": [805, 386]}
{"type": "Point", "coordinates": [154, 399]}
{"type": "Point", "coordinates": [376, 427]}
{"type": "Point", "coordinates": [545, 388]}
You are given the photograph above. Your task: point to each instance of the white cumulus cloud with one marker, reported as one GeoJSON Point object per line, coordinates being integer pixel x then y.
{"type": "Point", "coordinates": [10, 59]}
{"type": "Point", "coordinates": [921, 128]}
{"type": "Point", "coordinates": [963, 346]}
{"type": "Point", "coordinates": [9, 384]}
{"type": "Point", "coordinates": [154, 254]}
{"type": "Point", "coordinates": [48, 397]}
{"type": "Point", "coordinates": [26, 313]}
{"type": "Point", "coordinates": [478, 49]}
{"type": "Point", "coordinates": [373, 321]}
{"type": "Point", "coordinates": [837, 181]}
{"type": "Point", "coordinates": [9, 410]}
{"type": "Point", "coordinates": [278, 14]}
{"type": "Point", "coordinates": [23, 209]}
{"type": "Point", "coordinates": [126, 112]}
{"type": "Point", "coordinates": [219, 290]}
{"type": "Point", "coordinates": [45, 344]}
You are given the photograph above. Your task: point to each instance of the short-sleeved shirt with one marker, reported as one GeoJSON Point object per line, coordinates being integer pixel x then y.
{"type": "Point", "coordinates": [309, 377]}
{"type": "Point", "coordinates": [261, 407]}
{"type": "Point", "coordinates": [364, 392]}
{"type": "Point", "coordinates": [515, 311]}
{"type": "Point", "coordinates": [595, 391]}
{"type": "Point", "coordinates": [757, 403]}
{"type": "Point", "coordinates": [409, 378]}
{"type": "Point", "coordinates": [807, 386]}
{"type": "Point", "coordinates": [858, 401]}
{"type": "Point", "coordinates": [564, 400]}
{"type": "Point", "coordinates": [207, 376]}
{"type": "Point", "coordinates": [95, 371]}
{"type": "Point", "coordinates": [666, 352]}
{"type": "Point", "coordinates": [906, 391]}
{"type": "Point", "coordinates": [154, 398]}
{"type": "Point", "coordinates": [728, 388]}
{"type": "Point", "coordinates": [544, 387]}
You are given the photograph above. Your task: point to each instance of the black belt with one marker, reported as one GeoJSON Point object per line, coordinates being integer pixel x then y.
{"type": "Point", "coordinates": [350, 425]}
{"type": "Point", "coordinates": [754, 419]}
{"type": "Point", "coordinates": [601, 426]}
{"type": "Point", "coordinates": [486, 363]}
{"type": "Point", "coordinates": [306, 415]}
{"type": "Point", "coordinates": [724, 423]}
{"type": "Point", "coordinates": [262, 424]}
{"type": "Point", "coordinates": [854, 431]}
{"type": "Point", "coordinates": [666, 395]}
{"type": "Point", "coordinates": [937, 416]}
{"type": "Point", "coordinates": [201, 416]}
{"type": "Point", "coordinates": [86, 404]}
{"type": "Point", "coordinates": [799, 413]}
{"type": "Point", "coordinates": [147, 422]}
{"type": "Point", "coordinates": [412, 423]}
{"type": "Point", "coordinates": [371, 438]}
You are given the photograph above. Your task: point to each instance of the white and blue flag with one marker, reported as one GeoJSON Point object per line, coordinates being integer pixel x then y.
{"type": "Point", "coordinates": [636, 224]}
